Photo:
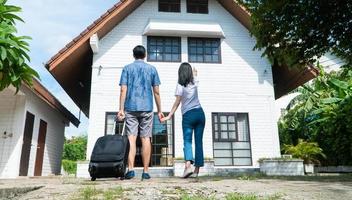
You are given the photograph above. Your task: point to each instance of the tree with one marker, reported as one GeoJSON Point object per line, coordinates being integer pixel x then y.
{"type": "Point", "coordinates": [296, 33]}
{"type": "Point", "coordinates": [14, 69]}
{"type": "Point", "coordinates": [322, 113]}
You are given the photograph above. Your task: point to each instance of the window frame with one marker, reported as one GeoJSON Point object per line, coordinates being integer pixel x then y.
{"type": "Point", "coordinates": [188, 8]}
{"type": "Point", "coordinates": [164, 37]}
{"type": "Point", "coordinates": [204, 40]}
{"type": "Point", "coordinates": [179, 7]}
{"type": "Point", "coordinates": [232, 149]}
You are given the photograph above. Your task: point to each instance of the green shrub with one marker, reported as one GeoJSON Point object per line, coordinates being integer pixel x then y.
{"type": "Point", "coordinates": [307, 151]}
{"type": "Point", "coordinates": [75, 148]}
{"type": "Point", "coordinates": [69, 166]}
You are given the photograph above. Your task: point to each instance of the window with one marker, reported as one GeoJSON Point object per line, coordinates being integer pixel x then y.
{"type": "Point", "coordinates": [162, 137]}
{"type": "Point", "coordinates": [204, 50]}
{"type": "Point", "coordinates": [169, 5]}
{"type": "Point", "coordinates": [164, 49]}
{"type": "Point", "coordinates": [231, 139]}
{"type": "Point", "coordinates": [197, 6]}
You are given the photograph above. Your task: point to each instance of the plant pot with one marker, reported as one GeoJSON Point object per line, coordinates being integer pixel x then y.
{"type": "Point", "coordinates": [309, 168]}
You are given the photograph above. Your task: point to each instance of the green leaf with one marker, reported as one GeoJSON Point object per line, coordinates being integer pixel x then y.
{"type": "Point", "coordinates": [340, 84]}
{"type": "Point", "coordinates": [330, 100]}
{"type": "Point", "coordinates": [3, 53]}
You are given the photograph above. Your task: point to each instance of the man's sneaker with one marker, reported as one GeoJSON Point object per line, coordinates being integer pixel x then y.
{"type": "Point", "coordinates": [188, 172]}
{"type": "Point", "coordinates": [130, 175]}
{"type": "Point", "coordinates": [145, 176]}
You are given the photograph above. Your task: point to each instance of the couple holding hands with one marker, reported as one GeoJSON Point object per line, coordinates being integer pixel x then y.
{"type": "Point", "coordinates": [138, 82]}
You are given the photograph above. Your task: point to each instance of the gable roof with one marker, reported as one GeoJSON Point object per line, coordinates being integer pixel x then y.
{"type": "Point", "coordinates": [39, 90]}
{"type": "Point", "coordinates": [71, 66]}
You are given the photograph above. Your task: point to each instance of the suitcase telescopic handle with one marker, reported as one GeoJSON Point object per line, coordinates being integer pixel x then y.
{"type": "Point", "coordinates": [123, 127]}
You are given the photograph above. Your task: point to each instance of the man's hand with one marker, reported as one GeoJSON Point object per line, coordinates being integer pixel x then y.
{"type": "Point", "coordinates": [160, 115]}
{"type": "Point", "coordinates": [121, 115]}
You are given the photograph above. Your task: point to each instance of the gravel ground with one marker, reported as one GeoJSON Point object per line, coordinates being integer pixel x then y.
{"type": "Point", "coordinates": [337, 187]}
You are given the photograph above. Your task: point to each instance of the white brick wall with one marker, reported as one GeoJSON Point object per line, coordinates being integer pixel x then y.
{"type": "Point", "coordinates": [10, 148]}
{"type": "Point", "coordinates": [239, 84]}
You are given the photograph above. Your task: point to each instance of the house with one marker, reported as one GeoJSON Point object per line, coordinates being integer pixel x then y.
{"type": "Point", "coordinates": [237, 86]}
{"type": "Point", "coordinates": [32, 126]}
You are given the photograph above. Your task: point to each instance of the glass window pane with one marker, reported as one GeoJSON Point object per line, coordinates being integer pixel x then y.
{"type": "Point", "coordinates": [224, 135]}
{"type": "Point", "coordinates": [242, 124]}
{"type": "Point", "coordinates": [242, 161]}
{"type": "Point", "coordinates": [232, 135]}
{"type": "Point", "coordinates": [241, 153]}
{"type": "Point", "coordinates": [222, 153]}
{"type": "Point", "coordinates": [216, 127]}
{"type": "Point", "coordinates": [216, 135]}
{"type": "Point", "coordinates": [199, 58]}
{"type": "Point", "coordinates": [215, 117]}
{"type": "Point", "coordinates": [223, 127]}
{"type": "Point", "coordinates": [241, 145]}
{"type": "Point", "coordinates": [199, 50]}
{"type": "Point", "coordinates": [215, 58]}
{"type": "Point", "coordinates": [231, 118]}
{"type": "Point", "coordinates": [223, 119]}
{"type": "Point", "coordinates": [192, 42]}
{"type": "Point", "coordinates": [175, 49]}
{"type": "Point", "coordinates": [208, 51]}
{"type": "Point", "coordinates": [215, 51]}
{"type": "Point", "coordinates": [175, 57]}
{"type": "Point", "coordinates": [223, 161]}
{"type": "Point", "coordinates": [222, 145]}
{"type": "Point", "coordinates": [167, 57]}
{"type": "Point", "coordinates": [152, 41]}
{"type": "Point", "coordinates": [168, 49]}
{"type": "Point", "coordinates": [192, 58]}
{"type": "Point", "coordinates": [232, 127]}
{"type": "Point", "coordinates": [193, 50]}
{"type": "Point", "coordinates": [207, 58]}
{"type": "Point", "coordinates": [152, 56]}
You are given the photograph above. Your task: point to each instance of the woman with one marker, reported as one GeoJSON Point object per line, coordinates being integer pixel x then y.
{"type": "Point", "coordinates": [193, 118]}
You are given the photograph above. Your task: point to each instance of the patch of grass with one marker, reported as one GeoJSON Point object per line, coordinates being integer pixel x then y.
{"type": "Point", "coordinates": [113, 193]}
{"type": "Point", "coordinates": [88, 193]}
{"type": "Point", "coordinates": [240, 196]}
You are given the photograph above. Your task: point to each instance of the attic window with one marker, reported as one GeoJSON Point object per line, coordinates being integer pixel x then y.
{"type": "Point", "coordinates": [169, 5]}
{"type": "Point", "coordinates": [197, 6]}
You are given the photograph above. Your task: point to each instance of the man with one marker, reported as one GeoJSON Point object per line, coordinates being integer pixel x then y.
{"type": "Point", "coordinates": [138, 82]}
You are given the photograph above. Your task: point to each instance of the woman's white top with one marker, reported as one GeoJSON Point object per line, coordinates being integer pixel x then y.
{"type": "Point", "coordinates": [189, 96]}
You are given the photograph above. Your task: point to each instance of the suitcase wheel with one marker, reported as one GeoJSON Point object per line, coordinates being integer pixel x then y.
{"type": "Point", "coordinates": [93, 179]}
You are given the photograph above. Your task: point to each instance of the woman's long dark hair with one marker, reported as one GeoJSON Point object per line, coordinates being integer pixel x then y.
{"type": "Point", "coordinates": [185, 74]}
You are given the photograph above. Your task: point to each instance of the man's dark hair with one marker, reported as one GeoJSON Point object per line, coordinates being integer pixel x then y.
{"type": "Point", "coordinates": [139, 52]}
{"type": "Point", "coordinates": [185, 74]}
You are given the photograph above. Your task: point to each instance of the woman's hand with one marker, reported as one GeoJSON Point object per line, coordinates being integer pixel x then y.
{"type": "Point", "coordinates": [195, 71]}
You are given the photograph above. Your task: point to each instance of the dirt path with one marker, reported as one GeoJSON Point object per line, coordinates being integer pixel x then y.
{"type": "Point", "coordinates": [175, 188]}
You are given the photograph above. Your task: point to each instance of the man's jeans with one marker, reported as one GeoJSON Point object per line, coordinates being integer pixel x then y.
{"type": "Point", "coordinates": [193, 120]}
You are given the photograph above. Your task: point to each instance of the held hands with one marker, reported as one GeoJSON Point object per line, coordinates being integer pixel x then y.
{"type": "Point", "coordinates": [161, 116]}
{"type": "Point", "coordinates": [165, 118]}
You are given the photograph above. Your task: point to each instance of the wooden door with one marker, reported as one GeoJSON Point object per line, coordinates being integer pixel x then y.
{"type": "Point", "coordinates": [40, 149]}
{"type": "Point", "coordinates": [27, 142]}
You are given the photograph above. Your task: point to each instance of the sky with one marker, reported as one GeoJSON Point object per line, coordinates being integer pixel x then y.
{"type": "Point", "coordinates": [52, 24]}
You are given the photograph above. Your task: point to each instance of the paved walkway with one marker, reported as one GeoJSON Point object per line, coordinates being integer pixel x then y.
{"type": "Point", "coordinates": [176, 188]}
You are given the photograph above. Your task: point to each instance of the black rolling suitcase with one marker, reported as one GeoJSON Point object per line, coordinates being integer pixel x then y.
{"type": "Point", "coordinates": [109, 156]}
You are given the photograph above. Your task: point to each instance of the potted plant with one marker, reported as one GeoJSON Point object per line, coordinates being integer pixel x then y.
{"type": "Point", "coordinates": [307, 151]}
